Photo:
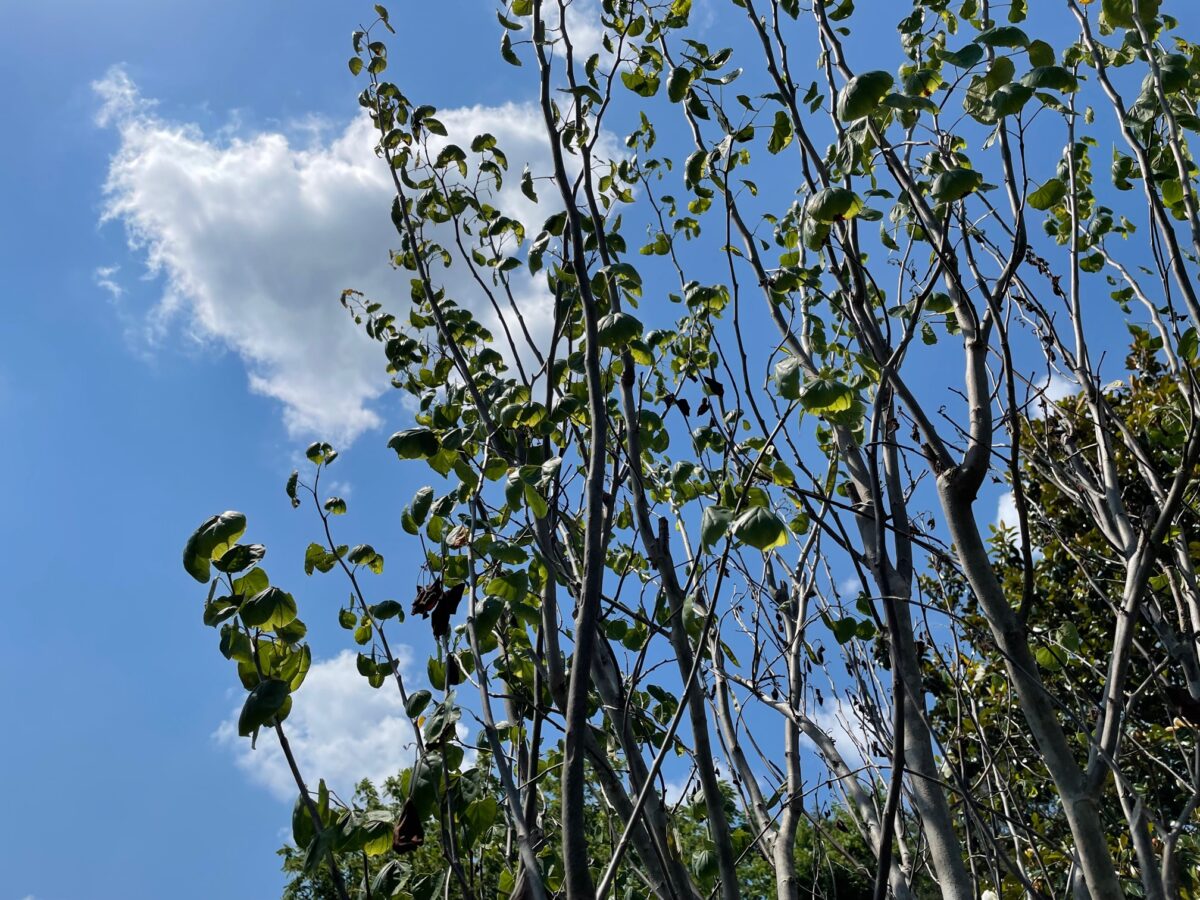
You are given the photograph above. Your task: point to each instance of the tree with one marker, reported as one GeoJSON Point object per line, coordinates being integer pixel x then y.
{"type": "Point", "coordinates": [830, 871]}
{"type": "Point", "coordinates": [653, 471]}
{"type": "Point", "coordinates": [1075, 575]}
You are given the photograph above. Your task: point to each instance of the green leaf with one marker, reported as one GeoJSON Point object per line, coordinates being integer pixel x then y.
{"type": "Point", "coordinates": [693, 169]}
{"type": "Point", "coordinates": [239, 557]}
{"type": "Point", "coordinates": [293, 632]}
{"type": "Point", "coordinates": [965, 58]}
{"type": "Point", "coordinates": [366, 555]}
{"type": "Point", "coordinates": [235, 643]}
{"type": "Point", "coordinates": [537, 503]}
{"type": "Point", "coordinates": [860, 96]}
{"type": "Point", "coordinates": [1040, 54]}
{"type": "Point", "coordinates": [641, 82]}
{"type": "Point", "coordinates": [826, 395]}
{"type": "Point", "coordinates": [999, 73]}
{"type": "Point", "coordinates": [356, 65]}
{"type": "Point", "coordinates": [714, 522]}
{"type": "Point", "coordinates": [506, 50]}
{"type": "Point", "coordinates": [1049, 194]}
{"type": "Point", "coordinates": [261, 706]}
{"type": "Point", "coordinates": [442, 720]}
{"type": "Point", "coordinates": [218, 610]}
{"type": "Point", "coordinates": [211, 539]}
{"type": "Point", "coordinates": [292, 481]}
{"type": "Point", "coordinates": [788, 374]}
{"type": "Point", "coordinates": [480, 815]}
{"type": "Point", "coordinates": [299, 671]}
{"type": "Point", "coordinates": [923, 82]}
{"type": "Point", "coordinates": [781, 132]}
{"type": "Point", "coordinates": [1189, 345]}
{"type": "Point", "coordinates": [1119, 13]}
{"type": "Point", "coordinates": [814, 233]}
{"type": "Point", "coordinates": [939, 302]}
{"type": "Point", "coordinates": [844, 630]}
{"type": "Point", "coordinates": [269, 609]}
{"type": "Point", "coordinates": [510, 586]}
{"type": "Point", "coordinates": [833, 204]}
{"type": "Point", "coordinates": [387, 609]}
{"type": "Point", "coordinates": [1003, 36]}
{"type": "Point", "coordinates": [1068, 636]}
{"type": "Point", "coordinates": [1052, 78]}
{"type": "Point", "coordinates": [761, 529]}
{"type": "Point", "coordinates": [377, 834]}
{"type": "Point", "coordinates": [1048, 658]}
{"type": "Point", "coordinates": [1009, 100]}
{"type": "Point", "coordinates": [617, 329]}
{"type": "Point", "coordinates": [956, 184]}
{"type": "Point", "coordinates": [302, 824]}
{"type": "Point", "coordinates": [390, 877]}
{"type": "Point", "coordinates": [527, 185]}
{"type": "Point", "coordinates": [678, 83]}
{"type": "Point", "coordinates": [316, 557]}
{"type": "Point", "coordinates": [417, 701]}
{"type": "Point", "coordinates": [319, 452]}
{"type": "Point", "coordinates": [414, 443]}
{"type": "Point", "coordinates": [1176, 72]}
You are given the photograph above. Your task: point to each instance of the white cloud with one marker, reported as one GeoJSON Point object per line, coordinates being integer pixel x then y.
{"type": "Point", "coordinates": [586, 30]}
{"type": "Point", "coordinates": [584, 26]}
{"type": "Point", "coordinates": [1050, 390]}
{"type": "Point", "coordinates": [675, 790]}
{"type": "Point", "coordinates": [839, 720]}
{"type": "Point", "coordinates": [851, 587]}
{"type": "Point", "coordinates": [106, 277]}
{"type": "Point", "coordinates": [1058, 387]}
{"type": "Point", "coordinates": [120, 99]}
{"type": "Point", "coordinates": [255, 236]}
{"type": "Point", "coordinates": [340, 729]}
{"type": "Point", "coordinates": [1006, 511]}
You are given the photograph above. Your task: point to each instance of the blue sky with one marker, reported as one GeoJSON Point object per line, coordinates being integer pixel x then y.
{"type": "Point", "coordinates": [185, 192]}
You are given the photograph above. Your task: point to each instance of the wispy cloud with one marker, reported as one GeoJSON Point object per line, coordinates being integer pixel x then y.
{"type": "Point", "coordinates": [106, 278]}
